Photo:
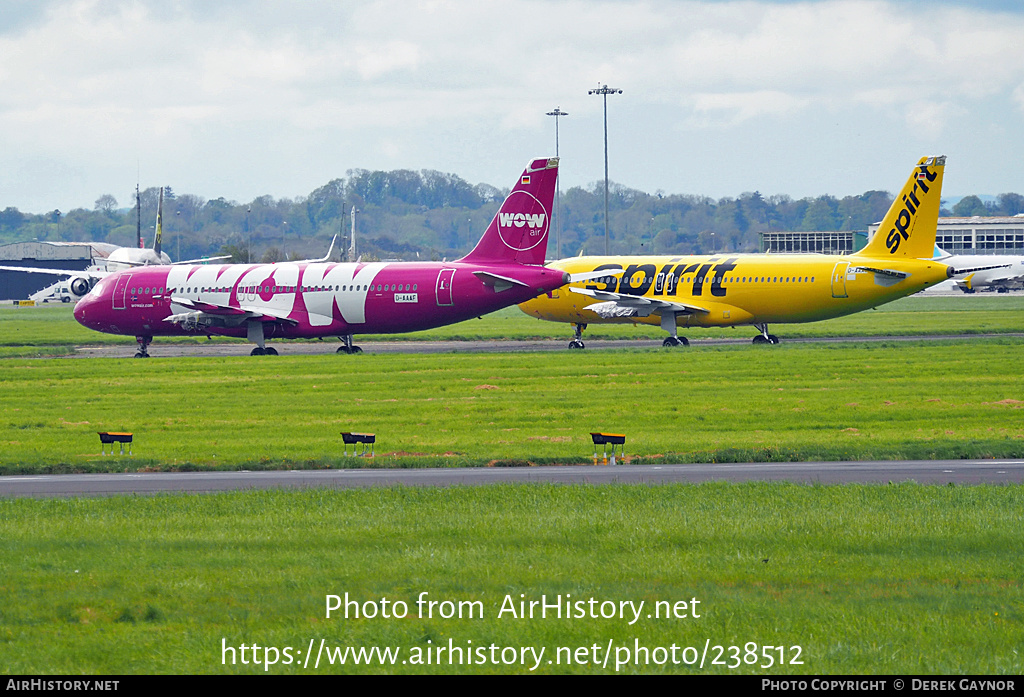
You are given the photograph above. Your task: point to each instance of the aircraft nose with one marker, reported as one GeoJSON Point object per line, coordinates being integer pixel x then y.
{"type": "Point", "coordinates": [83, 309]}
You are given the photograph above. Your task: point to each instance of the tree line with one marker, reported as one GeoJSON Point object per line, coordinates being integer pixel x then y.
{"type": "Point", "coordinates": [402, 214]}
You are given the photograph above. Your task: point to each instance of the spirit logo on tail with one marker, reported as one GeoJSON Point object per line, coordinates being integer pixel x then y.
{"type": "Point", "coordinates": [902, 226]}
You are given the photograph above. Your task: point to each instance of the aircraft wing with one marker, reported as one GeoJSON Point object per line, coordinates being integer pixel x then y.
{"type": "Point", "coordinates": [625, 305]}
{"type": "Point", "coordinates": [240, 312]}
{"type": "Point", "coordinates": [56, 272]}
{"type": "Point", "coordinates": [988, 276]}
{"type": "Point", "coordinates": [201, 260]}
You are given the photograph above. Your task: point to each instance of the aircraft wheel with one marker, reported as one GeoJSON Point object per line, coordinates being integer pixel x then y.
{"type": "Point", "coordinates": [271, 351]}
{"type": "Point", "coordinates": [65, 299]}
{"type": "Point", "coordinates": [671, 341]}
{"type": "Point", "coordinates": [356, 349]}
{"type": "Point", "coordinates": [576, 344]}
{"type": "Point", "coordinates": [772, 339]}
{"type": "Point", "coordinates": [140, 354]}
{"type": "Point", "coordinates": [258, 352]}
{"type": "Point", "coordinates": [684, 341]}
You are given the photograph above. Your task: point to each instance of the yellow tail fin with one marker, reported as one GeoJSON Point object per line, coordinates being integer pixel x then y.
{"type": "Point", "coordinates": [908, 229]}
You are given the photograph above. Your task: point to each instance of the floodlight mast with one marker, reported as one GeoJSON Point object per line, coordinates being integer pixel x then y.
{"type": "Point", "coordinates": [558, 188]}
{"type": "Point", "coordinates": [604, 91]}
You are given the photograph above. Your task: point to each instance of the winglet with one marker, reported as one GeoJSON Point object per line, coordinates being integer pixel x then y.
{"type": "Point", "coordinates": [327, 257]}
{"type": "Point", "coordinates": [519, 231]}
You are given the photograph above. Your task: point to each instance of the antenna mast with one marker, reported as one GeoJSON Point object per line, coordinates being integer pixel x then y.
{"type": "Point", "coordinates": [138, 217]}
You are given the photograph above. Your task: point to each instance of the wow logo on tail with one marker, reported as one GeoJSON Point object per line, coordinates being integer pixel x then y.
{"type": "Point", "coordinates": [519, 232]}
{"type": "Point", "coordinates": [526, 228]}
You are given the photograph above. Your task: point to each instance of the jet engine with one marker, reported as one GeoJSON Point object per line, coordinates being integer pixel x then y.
{"type": "Point", "coordinates": [79, 286]}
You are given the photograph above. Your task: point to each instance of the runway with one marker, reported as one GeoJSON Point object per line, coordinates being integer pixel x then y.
{"type": "Point", "coordinates": [941, 472]}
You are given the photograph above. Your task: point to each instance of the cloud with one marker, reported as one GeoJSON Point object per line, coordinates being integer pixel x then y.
{"type": "Point", "coordinates": [271, 84]}
{"type": "Point", "coordinates": [724, 110]}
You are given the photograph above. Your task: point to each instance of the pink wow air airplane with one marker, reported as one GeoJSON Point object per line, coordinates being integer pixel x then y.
{"type": "Point", "coordinates": [315, 299]}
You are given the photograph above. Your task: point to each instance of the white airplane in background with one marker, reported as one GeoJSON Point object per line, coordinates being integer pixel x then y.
{"type": "Point", "coordinates": [124, 258]}
{"type": "Point", "coordinates": [118, 259]}
{"type": "Point", "coordinates": [979, 272]}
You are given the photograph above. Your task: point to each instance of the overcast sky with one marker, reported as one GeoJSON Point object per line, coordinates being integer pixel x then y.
{"type": "Point", "coordinates": [240, 99]}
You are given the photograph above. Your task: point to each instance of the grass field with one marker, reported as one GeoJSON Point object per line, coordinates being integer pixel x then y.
{"type": "Point", "coordinates": [876, 400]}
{"type": "Point", "coordinates": [863, 579]}
{"type": "Point", "coordinates": [903, 579]}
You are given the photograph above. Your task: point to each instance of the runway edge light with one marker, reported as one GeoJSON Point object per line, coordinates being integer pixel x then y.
{"type": "Point", "coordinates": [607, 439]}
{"type": "Point", "coordinates": [114, 437]}
{"type": "Point", "coordinates": [357, 439]}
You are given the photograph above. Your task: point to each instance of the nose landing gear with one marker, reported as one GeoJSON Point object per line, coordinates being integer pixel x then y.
{"type": "Point", "coordinates": [577, 340]}
{"type": "Point", "coordinates": [764, 337]}
{"type": "Point", "coordinates": [144, 342]}
{"type": "Point", "coordinates": [348, 347]}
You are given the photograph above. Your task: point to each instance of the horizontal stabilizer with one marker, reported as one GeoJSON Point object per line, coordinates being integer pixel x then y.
{"type": "Point", "coordinates": [591, 275]}
{"type": "Point", "coordinates": [883, 272]}
{"type": "Point", "coordinates": [498, 283]}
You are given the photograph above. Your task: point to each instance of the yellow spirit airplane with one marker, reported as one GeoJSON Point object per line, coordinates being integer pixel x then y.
{"type": "Point", "coordinates": [758, 289]}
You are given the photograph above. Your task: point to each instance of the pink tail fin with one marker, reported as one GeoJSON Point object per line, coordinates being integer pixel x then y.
{"type": "Point", "coordinates": [519, 232]}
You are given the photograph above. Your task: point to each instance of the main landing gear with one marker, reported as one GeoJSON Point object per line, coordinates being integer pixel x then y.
{"type": "Point", "coordinates": [764, 337]}
{"type": "Point", "coordinates": [577, 340]}
{"type": "Point", "coordinates": [668, 323]}
{"type": "Point", "coordinates": [254, 333]}
{"type": "Point", "coordinates": [144, 342]}
{"type": "Point", "coordinates": [348, 347]}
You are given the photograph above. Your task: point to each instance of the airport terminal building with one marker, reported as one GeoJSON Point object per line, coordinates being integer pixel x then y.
{"type": "Point", "coordinates": [978, 235]}
{"type": "Point", "coordinates": [840, 242]}
{"type": "Point", "coordinates": [975, 235]}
